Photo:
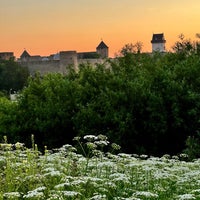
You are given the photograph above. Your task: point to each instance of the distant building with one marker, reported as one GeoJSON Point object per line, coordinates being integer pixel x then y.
{"type": "Point", "coordinates": [6, 55]}
{"type": "Point", "coordinates": [158, 42]}
{"type": "Point", "coordinates": [102, 50]}
{"type": "Point", "coordinates": [61, 61]}
{"type": "Point", "coordinates": [25, 56]}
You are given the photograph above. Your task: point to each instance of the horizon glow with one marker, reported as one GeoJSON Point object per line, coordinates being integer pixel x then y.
{"type": "Point", "coordinates": [49, 26]}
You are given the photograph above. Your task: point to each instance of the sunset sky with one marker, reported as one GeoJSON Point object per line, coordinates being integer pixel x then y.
{"type": "Point", "coordinates": [44, 27]}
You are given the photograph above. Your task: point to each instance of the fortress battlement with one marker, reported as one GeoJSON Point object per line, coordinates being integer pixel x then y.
{"type": "Point", "coordinates": [61, 61]}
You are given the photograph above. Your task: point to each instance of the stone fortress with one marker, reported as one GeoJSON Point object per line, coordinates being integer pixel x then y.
{"type": "Point", "coordinates": [60, 62]}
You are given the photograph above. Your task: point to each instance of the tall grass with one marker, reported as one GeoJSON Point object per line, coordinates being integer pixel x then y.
{"type": "Point", "coordinates": [92, 174]}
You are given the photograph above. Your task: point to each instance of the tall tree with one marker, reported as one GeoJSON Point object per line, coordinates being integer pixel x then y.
{"type": "Point", "coordinates": [12, 75]}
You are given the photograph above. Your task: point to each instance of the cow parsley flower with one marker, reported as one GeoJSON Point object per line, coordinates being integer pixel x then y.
{"type": "Point", "coordinates": [34, 195]}
{"type": "Point", "coordinates": [70, 194]}
{"type": "Point", "coordinates": [11, 195]}
{"type": "Point", "coordinates": [62, 186]}
{"type": "Point", "coordinates": [99, 197]}
{"type": "Point", "coordinates": [145, 194]}
{"type": "Point", "coordinates": [53, 174]}
{"type": "Point", "coordinates": [90, 138]}
{"type": "Point", "coordinates": [101, 143]}
{"type": "Point", "coordinates": [186, 197]}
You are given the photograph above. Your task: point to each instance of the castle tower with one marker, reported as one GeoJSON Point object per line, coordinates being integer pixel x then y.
{"type": "Point", "coordinates": [68, 58]}
{"type": "Point", "coordinates": [25, 56]}
{"type": "Point", "coordinates": [158, 42]}
{"type": "Point", "coordinates": [102, 50]}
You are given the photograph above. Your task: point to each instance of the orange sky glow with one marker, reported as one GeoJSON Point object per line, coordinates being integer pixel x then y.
{"type": "Point", "coordinates": [49, 26]}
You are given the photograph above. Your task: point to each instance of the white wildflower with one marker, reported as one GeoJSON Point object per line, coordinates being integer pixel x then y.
{"type": "Point", "coordinates": [19, 145]}
{"type": "Point", "coordinates": [101, 143]}
{"type": "Point", "coordinates": [148, 168]}
{"type": "Point", "coordinates": [77, 182]}
{"type": "Point", "coordinates": [111, 185]}
{"type": "Point", "coordinates": [124, 155]}
{"type": "Point", "coordinates": [53, 174]}
{"type": "Point", "coordinates": [119, 177]}
{"type": "Point", "coordinates": [143, 156]}
{"type": "Point", "coordinates": [161, 175]}
{"type": "Point", "coordinates": [135, 155]}
{"type": "Point", "coordinates": [106, 164]}
{"type": "Point", "coordinates": [99, 197]}
{"type": "Point", "coordinates": [175, 157]}
{"type": "Point", "coordinates": [166, 156]}
{"type": "Point", "coordinates": [62, 186]}
{"type": "Point", "coordinates": [129, 198]}
{"type": "Point", "coordinates": [66, 148]}
{"type": "Point", "coordinates": [11, 195]}
{"type": "Point", "coordinates": [76, 138]}
{"type": "Point", "coordinates": [40, 189]}
{"type": "Point", "coordinates": [37, 193]}
{"type": "Point", "coordinates": [90, 138]}
{"type": "Point", "coordinates": [34, 194]}
{"type": "Point", "coordinates": [71, 193]}
{"type": "Point", "coordinates": [186, 197]}
{"type": "Point", "coordinates": [55, 196]}
{"type": "Point", "coordinates": [5, 146]}
{"type": "Point", "coordinates": [183, 155]}
{"type": "Point", "coordinates": [94, 179]}
{"type": "Point", "coordinates": [197, 191]}
{"type": "Point", "coordinates": [145, 194]}
{"type": "Point", "coordinates": [48, 169]}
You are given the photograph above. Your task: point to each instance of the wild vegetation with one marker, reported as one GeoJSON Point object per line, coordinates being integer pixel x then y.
{"type": "Point", "coordinates": [147, 105]}
{"type": "Point", "coordinates": [94, 174]}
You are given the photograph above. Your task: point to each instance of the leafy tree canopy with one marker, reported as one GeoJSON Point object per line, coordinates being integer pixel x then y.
{"type": "Point", "coordinates": [12, 75]}
{"type": "Point", "coordinates": [147, 103]}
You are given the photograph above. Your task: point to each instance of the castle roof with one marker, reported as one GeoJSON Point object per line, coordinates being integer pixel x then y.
{"type": "Point", "coordinates": [25, 54]}
{"type": "Point", "coordinates": [102, 45]}
{"type": "Point", "coordinates": [88, 55]}
{"type": "Point", "coordinates": [158, 38]}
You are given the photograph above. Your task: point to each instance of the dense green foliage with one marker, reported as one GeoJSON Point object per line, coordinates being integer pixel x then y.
{"type": "Point", "coordinates": [145, 103]}
{"type": "Point", "coordinates": [12, 76]}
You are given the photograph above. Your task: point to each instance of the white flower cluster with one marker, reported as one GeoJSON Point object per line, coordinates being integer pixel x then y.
{"type": "Point", "coordinates": [11, 195]}
{"type": "Point", "coordinates": [186, 197]}
{"type": "Point", "coordinates": [60, 176]}
{"type": "Point", "coordinates": [90, 138]}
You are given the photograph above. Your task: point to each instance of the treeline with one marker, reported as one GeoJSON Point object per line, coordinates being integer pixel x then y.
{"type": "Point", "coordinates": [13, 76]}
{"type": "Point", "coordinates": [147, 103]}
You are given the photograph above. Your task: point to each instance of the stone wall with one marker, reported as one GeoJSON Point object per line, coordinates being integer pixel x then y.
{"type": "Point", "coordinates": [43, 67]}
{"type": "Point", "coordinates": [6, 55]}
{"type": "Point", "coordinates": [66, 59]}
{"type": "Point", "coordinates": [91, 61]}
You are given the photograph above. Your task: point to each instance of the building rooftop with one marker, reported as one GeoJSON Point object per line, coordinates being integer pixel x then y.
{"type": "Point", "coordinates": [102, 45]}
{"type": "Point", "coordinates": [158, 38]}
{"type": "Point", "coordinates": [88, 55]}
{"type": "Point", "coordinates": [25, 54]}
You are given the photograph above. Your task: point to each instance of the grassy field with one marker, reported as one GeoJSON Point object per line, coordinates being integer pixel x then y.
{"type": "Point", "coordinates": [94, 175]}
